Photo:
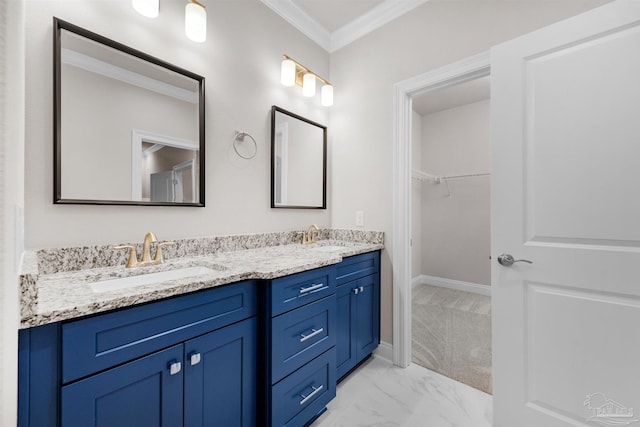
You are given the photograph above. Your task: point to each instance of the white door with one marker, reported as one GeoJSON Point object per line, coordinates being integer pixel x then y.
{"type": "Point", "coordinates": [162, 186]}
{"type": "Point", "coordinates": [566, 195]}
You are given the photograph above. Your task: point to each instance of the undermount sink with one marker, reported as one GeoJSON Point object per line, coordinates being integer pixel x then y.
{"type": "Point", "coordinates": [147, 279]}
{"type": "Point", "coordinates": [328, 248]}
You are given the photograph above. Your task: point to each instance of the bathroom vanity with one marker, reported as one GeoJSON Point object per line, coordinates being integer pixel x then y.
{"type": "Point", "coordinates": [256, 343]}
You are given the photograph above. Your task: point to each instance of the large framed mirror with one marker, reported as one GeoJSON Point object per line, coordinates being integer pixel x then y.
{"type": "Point", "coordinates": [298, 161]}
{"type": "Point", "coordinates": [129, 127]}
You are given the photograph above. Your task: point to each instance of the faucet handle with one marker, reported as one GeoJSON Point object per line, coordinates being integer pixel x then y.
{"type": "Point", "coordinates": [133, 257]}
{"type": "Point", "coordinates": [158, 259]}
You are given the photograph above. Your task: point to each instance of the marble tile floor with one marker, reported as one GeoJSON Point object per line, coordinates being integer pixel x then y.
{"type": "Point", "coordinates": [383, 395]}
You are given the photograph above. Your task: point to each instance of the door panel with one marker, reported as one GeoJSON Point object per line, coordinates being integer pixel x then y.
{"type": "Point", "coordinates": [589, 84]}
{"type": "Point", "coordinates": [220, 387]}
{"type": "Point", "coordinates": [345, 331]}
{"type": "Point", "coordinates": [570, 348]}
{"type": "Point", "coordinates": [142, 392]}
{"type": "Point", "coordinates": [368, 330]}
{"type": "Point", "coordinates": [566, 175]}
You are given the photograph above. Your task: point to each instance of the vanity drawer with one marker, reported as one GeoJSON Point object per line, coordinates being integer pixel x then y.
{"type": "Point", "coordinates": [357, 266]}
{"type": "Point", "coordinates": [302, 334]}
{"type": "Point", "coordinates": [303, 288]}
{"type": "Point", "coordinates": [97, 343]}
{"type": "Point", "coordinates": [303, 394]}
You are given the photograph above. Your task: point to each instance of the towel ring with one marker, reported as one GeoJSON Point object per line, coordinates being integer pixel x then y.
{"type": "Point", "coordinates": [239, 138]}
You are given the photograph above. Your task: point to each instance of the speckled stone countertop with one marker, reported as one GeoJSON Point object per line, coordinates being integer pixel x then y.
{"type": "Point", "coordinates": [54, 283]}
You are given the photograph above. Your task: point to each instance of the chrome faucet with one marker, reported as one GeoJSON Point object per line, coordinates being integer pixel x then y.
{"type": "Point", "coordinates": [146, 260]}
{"type": "Point", "coordinates": [310, 236]}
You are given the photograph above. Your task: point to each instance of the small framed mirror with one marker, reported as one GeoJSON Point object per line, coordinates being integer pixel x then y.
{"type": "Point", "coordinates": [298, 161]}
{"type": "Point", "coordinates": [129, 128]}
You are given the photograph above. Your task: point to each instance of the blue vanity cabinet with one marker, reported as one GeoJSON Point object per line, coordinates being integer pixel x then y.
{"type": "Point", "coordinates": [358, 310]}
{"type": "Point", "coordinates": [209, 380]}
{"type": "Point", "coordinates": [142, 392]}
{"type": "Point", "coordinates": [188, 360]}
{"type": "Point", "coordinates": [220, 377]}
{"type": "Point", "coordinates": [300, 331]}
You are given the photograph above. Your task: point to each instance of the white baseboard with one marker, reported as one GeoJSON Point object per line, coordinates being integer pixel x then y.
{"type": "Point", "coordinates": [384, 351]}
{"type": "Point", "coordinates": [457, 285]}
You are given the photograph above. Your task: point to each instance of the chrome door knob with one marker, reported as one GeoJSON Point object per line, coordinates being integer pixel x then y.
{"type": "Point", "coordinates": [507, 260]}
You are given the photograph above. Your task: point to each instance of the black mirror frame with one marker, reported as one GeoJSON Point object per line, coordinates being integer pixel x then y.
{"type": "Point", "coordinates": [275, 109]}
{"type": "Point", "coordinates": [58, 26]}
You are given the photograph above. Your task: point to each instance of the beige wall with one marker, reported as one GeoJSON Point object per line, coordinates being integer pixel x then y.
{"type": "Point", "coordinates": [241, 64]}
{"type": "Point", "coordinates": [11, 196]}
{"type": "Point", "coordinates": [455, 215]}
{"type": "Point", "coordinates": [364, 72]}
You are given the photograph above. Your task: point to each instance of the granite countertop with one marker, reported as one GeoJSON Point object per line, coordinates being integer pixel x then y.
{"type": "Point", "coordinates": [58, 290]}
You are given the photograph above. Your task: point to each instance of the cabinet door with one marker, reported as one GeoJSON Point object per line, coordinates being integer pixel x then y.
{"type": "Point", "coordinates": [220, 377]}
{"type": "Point", "coordinates": [345, 331]}
{"type": "Point", "coordinates": [140, 393]}
{"type": "Point", "coordinates": [367, 315]}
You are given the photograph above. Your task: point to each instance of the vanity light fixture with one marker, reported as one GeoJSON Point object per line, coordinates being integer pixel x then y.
{"type": "Point", "coordinates": [195, 16]}
{"type": "Point", "coordinates": [195, 21]}
{"type": "Point", "coordinates": [292, 72]}
{"type": "Point", "coordinates": [148, 8]}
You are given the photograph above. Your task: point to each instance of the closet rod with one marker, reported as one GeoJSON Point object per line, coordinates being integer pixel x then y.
{"type": "Point", "coordinates": [468, 175]}
{"type": "Point", "coordinates": [437, 178]}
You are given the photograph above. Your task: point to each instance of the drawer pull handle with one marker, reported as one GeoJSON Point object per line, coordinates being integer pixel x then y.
{"type": "Point", "coordinates": [311, 288]}
{"type": "Point", "coordinates": [175, 367]}
{"type": "Point", "coordinates": [194, 359]}
{"type": "Point", "coordinates": [313, 333]}
{"type": "Point", "coordinates": [315, 391]}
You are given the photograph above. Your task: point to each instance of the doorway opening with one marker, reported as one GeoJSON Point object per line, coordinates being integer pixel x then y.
{"type": "Point", "coordinates": [450, 232]}
{"type": "Point", "coordinates": [404, 92]}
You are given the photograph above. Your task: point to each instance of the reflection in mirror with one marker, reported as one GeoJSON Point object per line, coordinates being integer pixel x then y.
{"type": "Point", "coordinates": [129, 127]}
{"type": "Point", "coordinates": [298, 161]}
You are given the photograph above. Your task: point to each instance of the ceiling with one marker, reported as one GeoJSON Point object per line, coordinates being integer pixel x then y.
{"type": "Point", "coordinates": [333, 24]}
{"type": "Point", "coordinates": [452, 96]}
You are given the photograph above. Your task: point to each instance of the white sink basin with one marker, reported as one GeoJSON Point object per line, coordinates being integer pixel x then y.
{"type": "Point", "coordinates": [147, 279]}
{"type": "Point", "coordinates": [328, 248]}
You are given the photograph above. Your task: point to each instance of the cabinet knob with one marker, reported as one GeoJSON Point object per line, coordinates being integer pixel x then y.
{"type": "Point", "coordinates": [361, 289]}
{"type": "Point", "coordinates": [175, 367]}
{"type": "Point", "coordinates": [194, 359]}
{"type": "Point", "coordinates": [355, 291]}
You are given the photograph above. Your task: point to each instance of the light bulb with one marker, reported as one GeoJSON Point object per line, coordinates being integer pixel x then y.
{"type": "Point", "coordinates": [309, 85]}
{"type": "Point", "coordinates": [195, 22]}
{"type": "Point", "coordinates": [288, 72]}
{"type": "Point", "coordinates": [326, 95]}
{"type": "Point", "coordinates": [148, 8]}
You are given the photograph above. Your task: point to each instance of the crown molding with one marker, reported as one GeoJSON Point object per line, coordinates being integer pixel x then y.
{"type": "Point", "coordinates": [377, 17]}
{"type": "Point", "coordinates": [302, 21]}
{"type": "Point", "coordinates": [380, 15]}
